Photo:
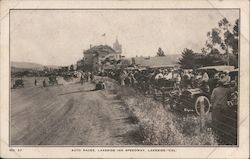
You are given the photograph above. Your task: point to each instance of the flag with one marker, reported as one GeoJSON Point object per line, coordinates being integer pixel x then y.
{"type": "Point", "coordinates": [104, 34]}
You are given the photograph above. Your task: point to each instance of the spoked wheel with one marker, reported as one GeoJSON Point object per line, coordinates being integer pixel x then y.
{"type": "Point", "coordinates": [199, 102]}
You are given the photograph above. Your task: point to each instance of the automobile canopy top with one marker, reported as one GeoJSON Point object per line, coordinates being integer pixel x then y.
{"type": "Point", "coordinates": [218, 68]}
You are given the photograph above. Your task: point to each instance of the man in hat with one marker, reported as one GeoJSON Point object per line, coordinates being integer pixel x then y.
{"type": "Point", "coordinates": [159, 75]}
{"type": "Point", "coordinates": [178, 81]}
{"type": "Point", "coordinates": [219, 100]}
{"type": "Point", "coordinates": [204, 82]}
{"type": "Point", "coordinates": [81, 79]}
{"type": "Point", "coordinates": [226, 78]}
{"type": "Point", "coordinates": [186, 79]}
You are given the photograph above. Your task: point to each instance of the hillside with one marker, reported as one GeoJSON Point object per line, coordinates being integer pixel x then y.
{"type": "Point", "coordinates": [21, 66]}
{"type": "Point", "coordinates": [26, 65]}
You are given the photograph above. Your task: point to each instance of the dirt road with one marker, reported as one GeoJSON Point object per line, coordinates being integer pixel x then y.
{"type": "Point", "coordinates": [69, 115]}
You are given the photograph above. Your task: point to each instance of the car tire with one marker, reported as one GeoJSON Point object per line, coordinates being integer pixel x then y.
{"type": "Point", "coordinates": [206, 102]}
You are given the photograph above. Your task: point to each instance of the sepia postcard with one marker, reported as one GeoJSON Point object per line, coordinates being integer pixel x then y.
{"type": "Point", "coordinates": [124, 79]}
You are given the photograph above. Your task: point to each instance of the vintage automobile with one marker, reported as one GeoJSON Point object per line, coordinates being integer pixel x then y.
{"type": "Point", "coordinates": [18, 83]}
{"type": "Point", "coordinates": [162, 88]}
{"type": "Point", "coordinates": [191, 99]}
{"type": "Point", "coordinates": [53, 80]}
{"type": "Point", "coordinates": [100, 85]}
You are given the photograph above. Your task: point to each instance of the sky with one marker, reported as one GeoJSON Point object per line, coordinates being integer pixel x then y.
{"type": "Point", "coordinates": [58, 37]}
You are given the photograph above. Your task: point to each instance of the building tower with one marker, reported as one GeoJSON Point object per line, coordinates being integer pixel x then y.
{"type": "Point", "coordinates": [117, 46]}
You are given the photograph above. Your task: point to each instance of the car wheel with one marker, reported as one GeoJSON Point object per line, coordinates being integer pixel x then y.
{"type": "Point", "coordinates": [198, 103]}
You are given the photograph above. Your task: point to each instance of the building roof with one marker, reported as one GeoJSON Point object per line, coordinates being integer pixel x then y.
{"type": "Point", "coordinates": [157, 61]}
{"type": "Point", "coordinates": [100, 49]}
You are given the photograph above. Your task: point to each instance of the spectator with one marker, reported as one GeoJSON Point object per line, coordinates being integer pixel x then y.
{"type": "Point", "coordinates": [81, 79]}
{"type": "Point", "coordinates": [86, 77]}
{"type": "Point", "coordinates": [226, 78]}
{"type": "Point", "coordinates": [168, 76]}
{"type": "Point", "coordinates": [159, 75]}
{"type": "Point", "coordinates": [219, 100]}
{"type": "Point", "coordinates": [89, 76]}
{"type": "Point", "coordinates": [123, 77]}
{"type": "Point", "coordinates": [205, 77]}
{"type": "Point", "coordinates": [186, 79]}
{"type": "Point", "coordinates": [178, 81]}
{"type": "Point", "coordinates": [214, 81]}
{"type": "Point", "coordinates": [198, 76]}
{"type": "Point", "coordinates": [92, 76]}
{"type": "Point", "coordinates": [44, 83]}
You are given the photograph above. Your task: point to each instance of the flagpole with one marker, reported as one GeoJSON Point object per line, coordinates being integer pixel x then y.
{"type": "Point", "coordinates": [104, 36]}
{"type": "Point", "coordinates": [105, 39]}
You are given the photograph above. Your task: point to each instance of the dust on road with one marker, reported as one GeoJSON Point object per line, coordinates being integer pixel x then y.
{"type": "Point", "coordinates": [70, 115]}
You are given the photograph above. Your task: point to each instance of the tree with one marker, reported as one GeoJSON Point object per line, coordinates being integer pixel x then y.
{"type": "Point", "coordinates": [221, 48]}
{"type": "Point", "coordinates": [223, 40]}
{"type": "Point", "coordinates": [188, 58]}
{"type": "Point", "coordinates": [160, 52]}
{"type": "Point", "coordinates": [236, 38]}
{"type": "Point", "coordinates": [209, 60]}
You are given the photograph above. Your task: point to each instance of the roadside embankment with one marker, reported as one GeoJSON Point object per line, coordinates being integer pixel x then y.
{"type": "Point", "coordinates": [159, 126]}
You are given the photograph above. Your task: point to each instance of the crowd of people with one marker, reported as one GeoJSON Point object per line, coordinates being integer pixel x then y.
{"type": "Point", "coordinates": [86, 77]}
{"type": "Point", "coordinates": [175, 78]}
{"type": "Point", "coordinates": [223, 91]}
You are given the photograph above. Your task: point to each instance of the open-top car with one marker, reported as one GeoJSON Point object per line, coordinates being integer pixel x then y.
{"type": "Point", "coordinates": [53, 80]}
{"type": "Point", "coordinates": [191, 99]}
{"type": "Point", "coordinates": [18, 83]}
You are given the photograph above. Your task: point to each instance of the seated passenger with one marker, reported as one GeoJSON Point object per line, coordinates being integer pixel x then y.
{"type": "Point", "coordinates": [186, 79]}
{"type": "Point", "coordinates": [168, 76]}
{"type": "Point", "coordinates": [159, 75]}
{"type": "Point", "coordinates": [205, 77]}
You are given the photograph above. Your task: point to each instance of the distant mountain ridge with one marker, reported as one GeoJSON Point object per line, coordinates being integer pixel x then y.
{"type": "Point", "coordinates": [26, 65]}
{"type": "Point", "coordinates": [30, 65]}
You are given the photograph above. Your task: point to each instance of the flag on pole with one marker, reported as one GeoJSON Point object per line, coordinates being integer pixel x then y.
{"type": "Point", "coordinates": [104, 34]}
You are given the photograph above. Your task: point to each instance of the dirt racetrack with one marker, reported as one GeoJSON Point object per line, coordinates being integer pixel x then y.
{"type": "Point", "coordinates": [69, 114]}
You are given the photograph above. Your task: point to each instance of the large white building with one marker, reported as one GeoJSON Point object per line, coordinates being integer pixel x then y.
{"type": "Point", "coordinates": [96, 56]}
